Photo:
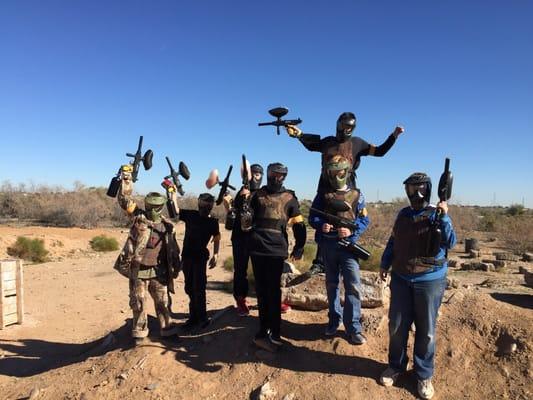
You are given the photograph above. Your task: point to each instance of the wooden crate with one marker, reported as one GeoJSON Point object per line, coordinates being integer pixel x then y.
{"type": "Point", "coordinates": [11, 293]}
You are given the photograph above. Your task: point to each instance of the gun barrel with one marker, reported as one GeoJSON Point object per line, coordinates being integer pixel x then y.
{"type": "Point", "coordinates": [265, 123]}
{"type": "Point", "coordinates": [169, 164]}
{"type": "Point", "coordinates": [446, 165]}
{"type": "Point", "coordinates": [140, 144]}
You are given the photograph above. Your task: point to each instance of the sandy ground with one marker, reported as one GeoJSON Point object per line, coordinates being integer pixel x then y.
{"type": "Point", "coordinates": [74, 342]}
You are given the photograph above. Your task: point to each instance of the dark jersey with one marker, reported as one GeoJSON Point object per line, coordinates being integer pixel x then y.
{"type": "Point", "coordinates": [356, 149]}
{"type": "Point", "coordinates": [198, 231]}
{"type": "Point", "coordinates": [272, 213]}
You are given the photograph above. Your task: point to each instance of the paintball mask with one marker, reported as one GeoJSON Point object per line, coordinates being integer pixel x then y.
{"type": "Point", "coordinates": [345, 126]}
{"type": "Point", "coordinates": [257, 176]}
{"type": "Point", "coordinates": [153, 204]}
{"type": "Point", "coordinates": [276, 174]}
{"type": "Point", "coordinates": [205, 204]}
{"type": "Point", "coordinates": [418, 190]}
{"type": "Point", "coordinates": [337, 170]}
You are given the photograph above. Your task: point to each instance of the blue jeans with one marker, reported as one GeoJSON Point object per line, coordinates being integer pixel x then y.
{"type": "Point", "coordinates": [338, 261]}
{"type": "Point", "coordinates": [416, 302]}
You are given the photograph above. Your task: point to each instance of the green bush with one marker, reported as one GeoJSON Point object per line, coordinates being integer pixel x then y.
{"type": "Point", "coordinates": [373, 263]}
{"type": "Point", "coordinates": [104, 243]}
{"type": "Point", "coordinates": [28, 249]}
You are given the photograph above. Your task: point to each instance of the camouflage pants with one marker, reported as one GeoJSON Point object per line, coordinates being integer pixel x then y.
{"type": "Point", "coordinates": [138, 304]}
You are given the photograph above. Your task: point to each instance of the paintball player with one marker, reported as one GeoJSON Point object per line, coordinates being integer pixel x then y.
{"type": "Point", "coordinates": [274, 208]}
{"type": "Point", "coordinates": [340, 261]}
{"type": "Point", "coordinates": [150, 257]}
{"type": "Point", "coordinates": [200, 228]}
{"type": "Point", "coordinates": [240, 243]}
{"type": "Point", "coordinates": [417, 251]}
{"type": "Point", "coordinates": [346, 145]}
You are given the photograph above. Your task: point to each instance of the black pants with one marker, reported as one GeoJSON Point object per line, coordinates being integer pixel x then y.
{"type": "Point", "coordinates": [267, 272]}
{"type": "Point", "coordinates": [318, 257]}
{"type": "Point", "coordinates": [194, 270]}
{"type": "Point", "coordinates": [241, 255]}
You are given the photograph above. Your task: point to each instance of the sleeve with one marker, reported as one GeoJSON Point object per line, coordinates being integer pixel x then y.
{"type": "Point", "coordinates": [361, 220]}
{"type": "Point", "coordinates": [311, 141]}
{"type": "Point", "coordinates": [298, 227]}
{"type": "Point", "coordinates": [293, 212]}
{"type": "Point", "coordinates": [386, 258]}
{"type": "Point", "coordinates": [448, 239]}
{"type": "Point", "coordinates": [215, 231]}
{"type": "Point", "coordinates": [315, 220]}
{"type": "Point", "coordinates": [185, 215]}
{"type": "Point", "coordinates": [126, 202]}
{"type": "Point", "coordinates": [378, 151]}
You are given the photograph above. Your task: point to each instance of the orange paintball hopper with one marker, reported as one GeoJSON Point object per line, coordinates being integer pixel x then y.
{"type": "Point", "coordinates": [214, 179]}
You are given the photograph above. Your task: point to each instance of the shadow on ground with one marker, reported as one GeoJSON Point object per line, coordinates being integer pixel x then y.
{"type": "Point", "coordinates": [516, 299]}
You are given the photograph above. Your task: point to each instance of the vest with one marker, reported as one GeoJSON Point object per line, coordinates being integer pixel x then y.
{"type": "Point", "coordinates": [412, 238]}
{"type": "Point", "coordinates": [271, 214]}
{"type": "Point", "coordinates": [152, 253]}
{"type": "Point", "coordinates": [351, 197]}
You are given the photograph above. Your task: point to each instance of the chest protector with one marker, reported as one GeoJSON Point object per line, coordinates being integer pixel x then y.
{"type": "Point", "coordinates": [153, 254]}
{"type": "Point", "coordinates": [336, 148]}
{"type": "Point", "coordinates": [271, 213]}
{"type": "Point", "coordinates": [351, 197]}
{"type": "Point", "coordinates": [414, 244]}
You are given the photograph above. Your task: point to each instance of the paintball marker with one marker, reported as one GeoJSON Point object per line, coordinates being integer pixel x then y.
{"type": "Point", "coordinates": [279, 112]}
{"type": "Point", "coordinates": [246, 173]}
{"type": "Point", "coordinates": [340, 222]}
{"type": "Point", "coordinates": [174, 175]}
{"type": "Point", "coordinates": [114, 186]}
{"type": "Point", "coordinates": [224, 185]}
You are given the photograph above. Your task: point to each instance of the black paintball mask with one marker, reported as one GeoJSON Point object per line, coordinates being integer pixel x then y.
{"type": "Point", "coordinates": [257, 177]}
{"type": "Point", "coordinates": [205, 204]}
{"type": "Point", "coordinates": [418, 190]}
{"type": "Point", "coordinates": [345, 126]}
{"type": "Point", "coordinates": [276, 174]}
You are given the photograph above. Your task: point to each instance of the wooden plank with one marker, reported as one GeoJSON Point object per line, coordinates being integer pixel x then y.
{"type": "Point", "coordinates": [20, 292]}
{"type": "Point", "coordinates": [10, 319]}
{"type": "Point", "coordinates": [8, 266]}
{"type": "Point", "coordinates": [11, 307]}
{"type": "Point", "coordinates": [9, 286]}
{"type": "Point", "coordinates": [9, 275]}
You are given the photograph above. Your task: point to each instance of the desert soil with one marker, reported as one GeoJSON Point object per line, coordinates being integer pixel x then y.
{"type": "Point", "coordinates": [74, 342]}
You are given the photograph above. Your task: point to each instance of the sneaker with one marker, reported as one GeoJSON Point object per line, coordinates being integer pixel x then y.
{"type": "Point", "coordinates": [265, 344]}
{"type": "Point", "coordinates": [285, 308]}
{"type": "Point", "coordinates": [189, 324]}
{"type": "Point", "coordinates": [425, 389]}
{"type": "Point", "coordinates": [388, 377]}
{"type": "Point", "coordinates": [357, 338]}
{"type": "Point", "coordinates": [242, 307]}
{"type": "Point", "coordinates": [276, 340]}
{"type": "Point", "coordinates": [331, 329]}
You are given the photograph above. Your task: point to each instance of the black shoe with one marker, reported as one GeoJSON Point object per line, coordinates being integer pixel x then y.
{"type": "Point", "coordinates": [204, 323]}
{"type": "Point", "coordinates": [276, 340]}
{"type": "Point", "coordinates": [189, 324]}
{"type": "Point", "coordinates": [317, 268]}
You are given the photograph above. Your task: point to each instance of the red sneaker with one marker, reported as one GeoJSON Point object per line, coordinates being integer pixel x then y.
{"type": "Point", "coordinates": [242, 307]}
{"type": "Point", "coordinates": [285, 308]}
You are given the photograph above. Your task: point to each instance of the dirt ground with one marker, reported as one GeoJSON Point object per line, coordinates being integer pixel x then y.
{"type": "Point", "coordinates": [74, 343]}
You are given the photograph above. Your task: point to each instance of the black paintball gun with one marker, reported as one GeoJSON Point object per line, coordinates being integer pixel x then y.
{"type": "Point", "coordinates": [339, 222]}
{"type": "Point", "coordinates": [444, 192]}
{"type": "Point", "coordinates": [175, 176]}
{"type": "Point", "coordinates": [146, 159]}
{"type": "Point", "coordinates": [224, 185]}
{"type": "Point", "coordinates": [278, 113]}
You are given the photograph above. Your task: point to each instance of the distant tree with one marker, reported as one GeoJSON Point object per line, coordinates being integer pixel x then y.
{"type": "Point", "coordinates": [515, 209]}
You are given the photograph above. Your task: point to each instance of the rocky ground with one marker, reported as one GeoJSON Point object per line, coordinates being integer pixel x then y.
{"type": "Point", "coordinates": [74, 342]}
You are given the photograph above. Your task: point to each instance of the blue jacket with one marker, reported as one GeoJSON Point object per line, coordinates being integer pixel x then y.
{"type": "Point", "coordinates": [316, 221]}
{"type": "Point", "coordinates": [448, 240]}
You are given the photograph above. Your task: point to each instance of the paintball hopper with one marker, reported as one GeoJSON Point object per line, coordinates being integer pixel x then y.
{"type": "Point", "coordinates": [445, 182]}
{"type": "Point", "coordinates": [278, 113]}
{"type": "Point", "coordinates": [214, 179]}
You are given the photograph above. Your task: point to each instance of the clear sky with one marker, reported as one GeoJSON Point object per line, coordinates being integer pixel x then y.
{"type": "Point", "coordinates": [81, 80]}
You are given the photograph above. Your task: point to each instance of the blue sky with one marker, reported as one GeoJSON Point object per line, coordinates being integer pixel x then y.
{"type": "Point", "coordinates": [80, 81]}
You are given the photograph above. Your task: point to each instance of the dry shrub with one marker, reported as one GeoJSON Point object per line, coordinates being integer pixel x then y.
{"type": "Point", "coordinates": [104, 243]}
{"type": "Point", "coordinates": [28, 249]}
{"type": "Point", "coordinates": [382, 217]}
{"type": "Point", "coordinates": [516, 232]}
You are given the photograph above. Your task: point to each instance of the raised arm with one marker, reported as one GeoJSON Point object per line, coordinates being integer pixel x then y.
{"type": "Point", "coordinates": [383, 148]}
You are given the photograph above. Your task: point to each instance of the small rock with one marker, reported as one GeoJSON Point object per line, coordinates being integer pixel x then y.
{"type": "Point", "coordinates": [505, 372]}
{"type": "Point", "coordinates": [452, 283]}
{"type": "Point", "coordinates": [264, 355]}
{"type": "Point", "coordinates": [266, 392]}
{"type": "Point", "coordinates": [528, 277]}
{"type": "Point", "coordinates": [506, 256]}
{"type": "Point", "coordinates": [289, 268]}
{"type": "Point", "coordinates": [151, 386]}
{"type": "Point", "coordinates": [123, 376]}
{"type": "Point", "coordinates": [487, 267]}
{"type": "Point", "coordinates": [290, 396]}
{"type": "Point", "coordinates": [454, 263]}
{"type": "Point", "coordinates": [474, 253]}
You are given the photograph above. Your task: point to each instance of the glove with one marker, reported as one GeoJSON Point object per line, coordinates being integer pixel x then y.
{"type": "Point", "coordinates": [168, 185]}
{"type": "Point", "coordinates": [213, 261]}
{"type": "Point", "coordinates": [294, 131]}
{"type": "Point", "coordinates": [227, 201]}
{"type": "Point", "coordinates": [398, 131]}
{"type": "Point", "coordinates": [125, 172]}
